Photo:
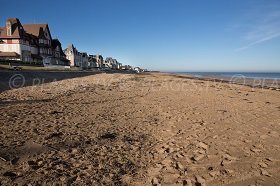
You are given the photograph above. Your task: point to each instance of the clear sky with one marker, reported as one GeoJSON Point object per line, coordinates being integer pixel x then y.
{"type": "Point", "coordinates": [167, 35]}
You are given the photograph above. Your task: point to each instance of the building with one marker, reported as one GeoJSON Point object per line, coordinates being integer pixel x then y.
{"type": "Point", "coordinates": [92, 61]}
{"type": "Point", "coordinates": [18, 43]}
{"type": "Point", "coordinates": [29, 43]}
{"type": "Point", "coordinates": [96, 61]}
{"type": "Point", "coordinates": [76, 58]}
{"type": "Point", "coordinates": [108, 62]}
{"type": "Point", "coordinates": [112, 63]}
{"type": "Point", "coordinates": [137, 69]}
{"type": "Point", "coordinates": [127, 67]}
{"type": "Point", "coordinates": [59, 56]}
{"type": "Point", "coordinates": [84, 60]}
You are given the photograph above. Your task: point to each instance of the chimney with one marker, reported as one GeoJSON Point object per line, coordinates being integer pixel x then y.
{"type": "Point", "coordinates": [9, 28]}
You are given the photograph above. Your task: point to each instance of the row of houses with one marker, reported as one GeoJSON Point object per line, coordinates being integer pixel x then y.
{"type": "Point", "coordinates": [33, 43]}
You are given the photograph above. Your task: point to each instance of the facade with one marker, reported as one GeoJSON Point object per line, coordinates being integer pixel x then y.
{"type": "Point", "coordinates": [112, 63]}
{"type": "Point", "coordinates": [96, 61]}
{"type": "Point", "coordinates": [44, 39]}
{"type": "Point", "coordinates": [59, 58]}
{"type": "Point", "coordinates": [28, 43]}
{"type": "Point", "coordinates": [84, 60]}
{"type": "Point", "coordinates": [76, 58]}
{"type": "Point", "coordinates": [91, 62]}
{"type": "Point", "coordinates": [18, 43]}
{"type": "Point", "coordinates": [126, 67]}
{"type": "Point", "coordinates": [108, 63]}
{"type": "Point", "coordinates": [137, 69]}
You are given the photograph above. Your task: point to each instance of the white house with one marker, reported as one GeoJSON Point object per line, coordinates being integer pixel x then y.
{"type": "Point", "coordinates": [77, 59]}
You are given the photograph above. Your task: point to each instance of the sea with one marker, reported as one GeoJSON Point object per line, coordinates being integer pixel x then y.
{"type": "Point", "coordinates": [251, 75]}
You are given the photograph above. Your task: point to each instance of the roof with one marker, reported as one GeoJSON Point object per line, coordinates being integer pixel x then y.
{"type": "Point", "coordinates": [56, 43]}
{"type": "Point", "coordinates": [17, 29]}
{"type": "Point", "coordinates": [9, 54]}
{"type": "Point", "coordinates": [71, 48]}
{"type": "Point", "coordinates": [84, 54]}
{"type": "Point", "coordinates": [26, 30]}
{"type": "Point", "coordinates": [35, 29]}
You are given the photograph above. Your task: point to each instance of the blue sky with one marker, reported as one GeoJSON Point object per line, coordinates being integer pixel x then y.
{"type": "Point", "coordinates": [167, 35]}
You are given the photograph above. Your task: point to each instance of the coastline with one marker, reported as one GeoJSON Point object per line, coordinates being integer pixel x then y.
{"type": "Point", "coordinates": [266, 83]}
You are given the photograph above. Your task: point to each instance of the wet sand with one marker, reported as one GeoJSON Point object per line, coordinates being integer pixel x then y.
{"type": "Point", "coordinates": [139, 129]}
{"type": "Point", "coordinates": [265, 83]}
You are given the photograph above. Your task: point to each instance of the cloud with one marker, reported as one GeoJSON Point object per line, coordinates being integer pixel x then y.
{"type": "Point", "coordinates": [261, 27]}
{"type": "Point", "coordinates": [267, 38]}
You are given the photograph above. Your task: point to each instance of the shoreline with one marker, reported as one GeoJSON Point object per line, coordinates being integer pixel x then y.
{"type": "Point", "coordinates": [264, 83]}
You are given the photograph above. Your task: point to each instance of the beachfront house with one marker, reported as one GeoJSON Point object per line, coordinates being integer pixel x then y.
{"type": "Point", "coordinates": [116, 65]}
{"type": "Point", "coordinates": [99, 60]}
{"type": "Point", "coordinates": [92, 61]}
{"type": "Point", "coordinates": [96, 61]}
{"type": "Point", "coordinates": [126, 67]}
{"type": "Point", "coordinates": [59, 56]}
{"type": "Point", "coordinates": [112, 63]}
{"type": "Point", "coordinates": [108, 63]}
{"type": "Point", "coordinates": [29, 43]}
{"type": "Point", "coordinates": [137, 69]}
{"type": "Point", "coordinates": [19, 42]}
{"type": "Point", "coordinates": [84, 59]}
{"type": "Point", "coordinates": [74, 56]}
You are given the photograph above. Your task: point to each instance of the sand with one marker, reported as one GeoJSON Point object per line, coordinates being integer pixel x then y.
{"type": "Point", "coordinates": [139, 129]}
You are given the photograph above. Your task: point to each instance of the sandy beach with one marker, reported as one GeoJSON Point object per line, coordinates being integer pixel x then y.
{"type": "Point", "coordinates": [139, 129]}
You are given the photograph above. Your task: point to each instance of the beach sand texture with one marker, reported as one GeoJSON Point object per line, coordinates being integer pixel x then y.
{"type": "Point", "coordinates": [139, 129]}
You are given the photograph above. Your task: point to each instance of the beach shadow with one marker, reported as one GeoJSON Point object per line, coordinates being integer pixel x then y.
{"type": "Point", "coordinates": [18, 79]}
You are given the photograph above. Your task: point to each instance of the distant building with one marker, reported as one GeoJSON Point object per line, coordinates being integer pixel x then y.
{"type": "Point", "coordinates": [137, 69]}
{"type": "Point", "coordinates": [84, 60]}
{"type": "Point", "coordinates": [96, 61]}
{"type": "Point", "coordinates": [92, 62]}
{"type": "Point", "coordinates": [126, 67]}
{"type": "Point", "coordinates": [108, 62]}
{"type": "Point", "coordinates": [112, 63]}
{"type": "Point", "coordinates": [74, 56]}
{"type": "Point", "coordinates": [59, 56]}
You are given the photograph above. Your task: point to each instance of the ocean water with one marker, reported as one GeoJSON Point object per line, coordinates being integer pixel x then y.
{"type": "Point", "coordinates": [253, 75]}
